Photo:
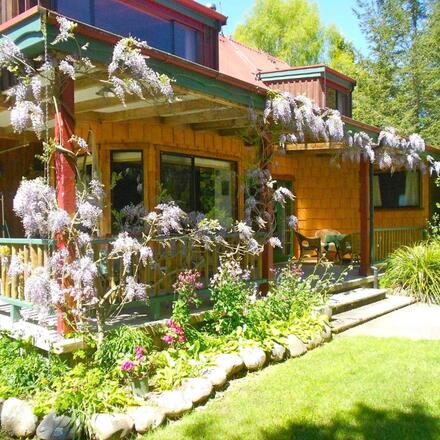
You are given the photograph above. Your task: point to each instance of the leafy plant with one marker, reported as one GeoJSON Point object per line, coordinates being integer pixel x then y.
{"type": "Point", "coordinates": [415, 271]}
{"type": "Point", "coordinates": [119, 343]}
{"type": "Point", "coordinates": [230, 291]}
{"type": "Point", "coordinates": [80, 393]}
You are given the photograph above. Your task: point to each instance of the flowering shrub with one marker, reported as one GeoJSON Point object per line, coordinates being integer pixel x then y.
{"type": "Point", "coordinates": [175, 335]}
{"type": "Point", "coordinates": [230, 289]}
{"type": "Point", "coordinates": [185, 288]}
{"type": "Point", "coordinates": [135, 366]}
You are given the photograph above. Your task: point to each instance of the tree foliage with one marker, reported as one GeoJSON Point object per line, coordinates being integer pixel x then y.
{"type": "Point", "coordinates": [291, 30]}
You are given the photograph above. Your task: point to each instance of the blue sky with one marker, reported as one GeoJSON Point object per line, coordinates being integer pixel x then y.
{"type": "Point", "coordinates": [332, 11]}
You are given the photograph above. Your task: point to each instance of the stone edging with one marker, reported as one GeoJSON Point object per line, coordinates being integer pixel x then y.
{"type": "Point", "coordinates": [18, 420]}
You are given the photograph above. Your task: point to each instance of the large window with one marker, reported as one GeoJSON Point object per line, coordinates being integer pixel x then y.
{"type": "Point", "coordinates": [118, 17]}
{"type": "Point", "coordinates": [199, 184]}
{"type": "Point", "coordinates": [127, 178]}
{"type": "Point", "coordinates": [397, 190]}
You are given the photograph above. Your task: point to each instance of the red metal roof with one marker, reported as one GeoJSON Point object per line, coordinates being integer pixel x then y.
{"type": "Point", "coordinates": [243, 62]}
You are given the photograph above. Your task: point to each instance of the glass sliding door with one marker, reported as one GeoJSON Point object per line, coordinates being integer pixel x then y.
{"type": "Point", "coordinates": [201, 185]}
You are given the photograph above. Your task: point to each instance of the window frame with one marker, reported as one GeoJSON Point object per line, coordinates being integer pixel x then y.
{"type": "Point", "coordinates": [193, 158]}
{"type": "Point", "coordinates": [420, 205]}
{"type": "Point", "coordinates": [112, 151]}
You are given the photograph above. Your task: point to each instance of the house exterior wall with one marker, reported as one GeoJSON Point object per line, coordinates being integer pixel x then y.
{"type": "Point", "coordinates": [313, 88]}
{"type": "Point", "coordinates": [152, 139]}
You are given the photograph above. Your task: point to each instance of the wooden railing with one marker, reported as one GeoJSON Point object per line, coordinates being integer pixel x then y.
{"type": "Point", "coordinates": [387, 240]}
{"type": "Point", "coordinates": [171, 259]}
{"type": "Point", "coordinates": [35, 253]}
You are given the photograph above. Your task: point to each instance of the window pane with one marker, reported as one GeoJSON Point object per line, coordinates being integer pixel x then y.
{"type": "Point", "coordinates": [185, 42]}
{"type": "Point", "coordinates": [176, 180]}
{"type": "Point", "coordinates": [79, 9]}
{"type": "Point", "coordinates": [121, 19]}
{"type": "Point", "coordinates": [330, 98]}
{"type": "Point", "coordinates": [215, 192]}
{"type": "Point", "coordinates": [397, 190]}
{"type": "Point", "coordinates": [127, 178]}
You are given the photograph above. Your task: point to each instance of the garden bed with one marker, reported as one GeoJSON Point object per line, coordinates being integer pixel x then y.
{"type": "Point", "coordinates": [184, 360]}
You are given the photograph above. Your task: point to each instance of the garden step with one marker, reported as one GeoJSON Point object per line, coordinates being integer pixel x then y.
{"type": "Point", "coordinates": [352, 318]}
{"type": "Point", "coordinates": [352, 299]}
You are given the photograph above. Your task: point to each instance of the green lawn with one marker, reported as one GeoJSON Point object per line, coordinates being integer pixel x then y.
{"type": "Point", "coordinates": [353, 388]}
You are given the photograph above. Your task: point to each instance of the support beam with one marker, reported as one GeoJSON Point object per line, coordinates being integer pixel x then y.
{"type": "Point", "coordinates": [206, 116]}
{"type": "Point", "coordinates": [365, 215]}
{"type": "Point", "coordinates": [222, 125]}
{"type": "Point", "coordinates": [268, 260]}
{"type": "Point", "coordinates": [65, 175]}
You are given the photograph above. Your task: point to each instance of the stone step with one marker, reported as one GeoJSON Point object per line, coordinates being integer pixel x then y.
{"type": "Point", "coordinates": [352, 299]}
{"type": "Point", "coordinates": [352, 318]}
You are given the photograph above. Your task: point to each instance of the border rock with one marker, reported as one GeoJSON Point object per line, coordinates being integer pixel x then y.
{"type": "Point", "coordinates": [173, 403]}
{"type": "Point", "coordinates": [278, 353]}
{"type": "Point", "coordinates": [111, 426]}
{"type": "Point", "coordinates": [295, 346]}
{"type": "Point", "coordinates": [146, 418]}
{"type": "Point", "coordinates": [197, 389]}
{"type": "Point", "coordinates": [54, 427]}
{"type": "Point", "coordinates": [231, 363]}
{"type": "Point", "coordinates": [18, 418]}
{"type": "Point", "coordinates": [216, 375]}
{"type": "Point", "coordinates": [254, 358]}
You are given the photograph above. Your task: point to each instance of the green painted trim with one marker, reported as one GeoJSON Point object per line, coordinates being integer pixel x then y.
{"type": "Point", "coordinates": [294, 73]}
{"type": "Point", "coordinates": [15, 302]}
{"type": "Point", "coordinates": [354, 129]}
{"type": "Point", "coordinates": [27, 34]}
{"type": "Point", "coordinates": [314, 72]}
{"type": "Point", "coordinates": [27, 241]}
{"type": "Point", "coordinates": [406, 228]}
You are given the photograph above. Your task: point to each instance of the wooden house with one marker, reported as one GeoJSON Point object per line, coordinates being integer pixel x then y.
{"type": "Point", "coordinates": [193, 145]}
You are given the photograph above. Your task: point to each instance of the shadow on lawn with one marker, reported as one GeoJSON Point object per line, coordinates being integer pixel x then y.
{"type": "Point", "coordinates": [363, 423]}
{"type": "Point", "coordinates": [366, 423]}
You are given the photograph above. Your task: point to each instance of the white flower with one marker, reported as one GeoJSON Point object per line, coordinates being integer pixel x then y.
{"type": "Point", "coordinates": [89, 214]}
{"type": "Point", "coordinates": [66, 30]}
{"type": "Point", "coordinates": [58, 220]}
{"type": "Point", "coordinates": [135, 291]}
{"type": "Point", "coordinates": [335, 126]}
{"type": "Point", "coordinates": [417, 143]}
{"type": "Point", "coordinates": [275, 242]}
{"type": "Point", "coordinates": [292, 221]}
{"type": "Point", "coordinates": [245, 232]}
{"type": "Point", "coordinates": [67, 68]}
{"type": "Point", "coordinates": [170, 218]}
{"type": "Point", "coordinates": [281, 193]}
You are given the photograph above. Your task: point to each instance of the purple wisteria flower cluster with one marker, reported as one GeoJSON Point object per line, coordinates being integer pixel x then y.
{"type": "Point", "coordinates": [129, 73]}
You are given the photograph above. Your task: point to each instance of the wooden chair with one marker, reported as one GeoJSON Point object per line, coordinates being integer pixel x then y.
{"type": "Point", "coordinates": [307, 244]}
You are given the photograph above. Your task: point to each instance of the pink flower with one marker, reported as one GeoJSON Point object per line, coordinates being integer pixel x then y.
{"type": "Point", "coordinates": [127, 365]}
{"type": "Point", "coordinates": [179, 330]}
{"type": "Point", "coordinates": [182, 339]}
{"type": "Point", "coordinates": [139, 353]}
{"type": "Point", "coordinates": [168, 339]}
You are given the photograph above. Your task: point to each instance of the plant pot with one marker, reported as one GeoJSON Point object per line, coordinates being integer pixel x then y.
{"type": "Point", "coordinates": [139, 387]}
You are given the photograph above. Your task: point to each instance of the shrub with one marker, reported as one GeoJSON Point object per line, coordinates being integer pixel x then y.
{"type": "Point", "coordinates": [119, 343]}
{"type": "Point", "coordinates": [415, 271]}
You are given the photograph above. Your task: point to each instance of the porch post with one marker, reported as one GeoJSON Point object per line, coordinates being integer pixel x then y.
{"type": "Point", "coordinates": [65, 171]}
{"type": "Point", "coordinates": [365, 202]}
{"type": "Point", "coordinates": [268, 250]}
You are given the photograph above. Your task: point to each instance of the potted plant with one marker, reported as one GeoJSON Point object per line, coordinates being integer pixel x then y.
{"type": "Point", "coordinates": [135, 368]}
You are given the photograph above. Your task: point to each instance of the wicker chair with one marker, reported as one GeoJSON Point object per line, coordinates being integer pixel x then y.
{"type": "Point", "coordinates": [308, 244]}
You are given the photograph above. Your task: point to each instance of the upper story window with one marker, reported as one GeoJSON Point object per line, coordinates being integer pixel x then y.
{"type": "Point", "coordinates": [400, 189]}
{"type": "Point", "coordinates": [116, 16]}
{"type": "Point", "coordinates": [339, 101]}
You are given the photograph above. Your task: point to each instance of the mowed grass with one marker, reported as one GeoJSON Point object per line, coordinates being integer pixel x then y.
{"type": "Point", "coordinates": [353, 388]}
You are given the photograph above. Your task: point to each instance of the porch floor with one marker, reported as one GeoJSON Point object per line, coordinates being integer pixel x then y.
{"type": "Point", "coordinates": [44, 334]}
